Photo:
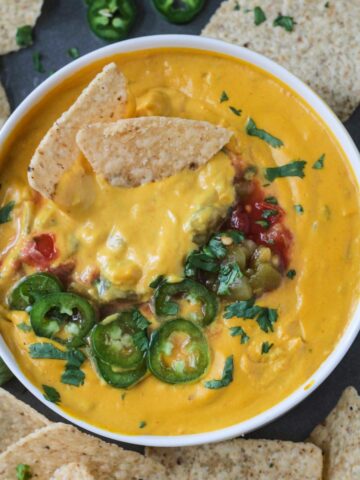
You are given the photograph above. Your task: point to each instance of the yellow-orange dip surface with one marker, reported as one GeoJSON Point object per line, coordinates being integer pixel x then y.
{"type": "Point", "coordinates": [133, 235]}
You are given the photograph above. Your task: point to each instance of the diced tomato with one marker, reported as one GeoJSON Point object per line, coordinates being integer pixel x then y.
{"type": "Point", "coordinates": [40, 251]}
{"type": "Point", "coordinates": [240, 220]}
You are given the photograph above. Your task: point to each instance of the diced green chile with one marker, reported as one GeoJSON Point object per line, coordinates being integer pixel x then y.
{"type": "Point", "coordinates": [111, 20]}
{"type": "Point", "coordinates": [63, 311]}
{"type": "Point", "coordinates": [166, 294]}
{"type": "Point", "coordinates": [120, 379]}
{"type": "Point", "coordinates": [113, 341]}
{"type": "Point", "coordinates": [29, 289]}
{"type": "Point", "coordinates": [195, 355]}
{"type": "Point", "coordinates": [184, 12]}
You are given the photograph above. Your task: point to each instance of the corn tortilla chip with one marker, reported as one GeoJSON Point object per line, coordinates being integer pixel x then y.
{"type": "Point", "coordinates": [135, 151]}
{"type": "Point", "coordinates": [339, 438]}
{"type": "Point", "coordinates": [4, 106]}
{"type": "Point", "coordinates": [72, 471]}
{"type": "Point", "coordinates": [15, 14]}
{"type": "Point", "coordinates": [51, 447]}
{"type": "Point", "coordinates": [16, 420]}
{"type": "Point", "coordinates": [104, 99]}
{"type": "Point", "coordinates": [323, 49]}
{"type": "Point", "coordinates": [241, 460]}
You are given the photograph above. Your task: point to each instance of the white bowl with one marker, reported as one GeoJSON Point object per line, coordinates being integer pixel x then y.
{"type": "Point", "coordinates": [328, 117]}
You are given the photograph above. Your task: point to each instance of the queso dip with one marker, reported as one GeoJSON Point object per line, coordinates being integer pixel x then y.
{"type": "Point", "coordinates": [109, 244]}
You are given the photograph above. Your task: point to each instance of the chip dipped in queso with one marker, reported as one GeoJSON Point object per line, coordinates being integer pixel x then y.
{"type": "Point", "coordinates": [179, 250]}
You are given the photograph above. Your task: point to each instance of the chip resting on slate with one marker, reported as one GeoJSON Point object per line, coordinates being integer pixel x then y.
{"type": "Point", "coordinates": [316, 40]}
{"type": "Point", "coordinates": [4, 106]}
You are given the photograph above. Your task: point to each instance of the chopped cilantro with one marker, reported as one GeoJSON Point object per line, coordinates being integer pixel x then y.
{"type": "Point", "coordinates": [158, 281]}
{"type": "Point", "coordinates": [73, 53]}
{"type": "Point", "coordinates": [5, 373]}
{"type": "Point", "coordinates": [228, 275]}
{"type": "Point", "coordinates": [327, 5]}
{"type": "Point", "coordinates": [141, 341]}
{"type": "Point", "coordinates": [142, 424]}
{"type": "Point", "coordinates": [269, 213]}
{"type": "Point", "coordinates": [291, 274]}
{"type": "Point", "coordinates": [23, 472]}
{"type": "Point", "coordinates": [235, 111]}
{"type": "Point", "coordinates": [51, 394]}
{"type": "Point", "coordinates": [292, 169]}
{"type": "Point", "coordinates": [5, 212]}
{"type": "Point", "coordinates": [47, 350]}
{"type": "Point", "coordinates": [271, 200]}
{"type": "Point", "coordinates": [24, 327]}
{"type": "Point", "coordinates": [299, 209]}
{"type": "Point", "coordinates": [73, 376]}
{"type": "Point", "coordinates": [285, 22]}
{"type": "Point", "coordinates": [202, 261]}
{"type": "Point", "coordinates": [24, 36]}
{"type": "Point", "coordinates": [259, 16]}
{"type": "Point", "coordinates": [140, 321]}
{"type": "Point", "coordinates": [263, 223]}
{"type": "Point", "coordinates": [224, 97]}
{"type": "Point", "coordinates": [266, 347]}
{"type": "Point", "coordinates": [216, 247]}
{"type": "Point", "coordinates": [264, 316]}
{"type": "Point", "coordinates": [319, 164]}
{"type": "Point", "coordinates": [251, 129]}
{"type": "Point", "coordinates": [237, 6]}
{"type": "Point", "coordinates": [227, 376]}
{"type": "Point", "coordinates": [39, 67]}
{"type": "Point", "coordinates": [239, 331]}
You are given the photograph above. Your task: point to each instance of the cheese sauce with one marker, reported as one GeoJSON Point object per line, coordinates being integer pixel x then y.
{"type": "Point", "coordinates": [131, 236]}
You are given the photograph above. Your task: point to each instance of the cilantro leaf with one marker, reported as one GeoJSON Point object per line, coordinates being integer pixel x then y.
{"type": "Point", "coordinates": [73, 376]}
{"type": "Point", "coordinates": [141, 341]}
{"type": "Point", "coordinates": [271, 200]}
{"type": "Point", "coordinates": [269, 213]}
{"type": "Point", "coordinates": [38, 65]}
{"type": "Point", "coordinates": [23, 472]}
{"type": "Point", "coordinates": [75, 358]}
{"type": "Point", "coordinates": [291, 274]}
{"type": "Point", "coordinates": [259, 16]}
{"type": "Point", "coordinates": [73, 53]}
{"type": "Point", "coordinates": [319, 164]}
{"type": "Point", "coordinates": [227, 376]}
{"type": "Point", "coordinates": [228, 275]}
{"type": "Point", "coordinates": [235, 110]}
{"type": "Point", "coordinates": [292, 169]}
{"type": "Point", "coordinates": [24, 36]}
{"type": "Point", "coordinates": [299, 209]}
{"type": "Point", "coordinates": [266, 347]}
{"type": "Point", "coordinates": [5, 212]}
{"type": "Point", "coordinates": [252, 130]}
{"type": "Point", "coordinates": [263, 223]}
{"type": "Point", "coordinates": [142, 424]}
{"type": "Point", "coordinates": [224, 97]}
{"type": "Point", "coordinates": [140, 321]}
{"type": "Point", "coordinates": [5, 373]}
{"type": "Point", "coordinates": [216, 247]}
{"type": "Point", "coordinates": [51, 394]}
{"type": "Point", "coordinates": [202, 261]}
{"type": "Point", "coordinates": [264, 316]}
{"type": "Point", "coordinates": [47, 350]}
{"type": "Point", "coordinates": [285, 22]}
{"type": "Point", "coordinates": [239, 331]}
{"type": "Point", "coordinates": [237, 6]}
{"type": "Point", "coordinates": [157, 281]}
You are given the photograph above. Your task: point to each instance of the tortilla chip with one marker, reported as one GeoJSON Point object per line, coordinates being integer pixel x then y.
{"type": "Point", "coordinates": [4, 106]}
{"type": "Point", "coordinates": [17, 420]}
{"type": "Point", "coordinates": [15, 14]}
{"type": "Point", "coordinates": [242, 459]}
{"type": "Point", "coordinates": [339, 438]}
{"type": "Point", "coordinates": [104, 99]}
{"type": "Point", "coordinates": [51, 447]}
{"type": "Point", "coordinates": [140, 150]}
{"type": "Point", "coordinates": [72, 471]}
{"type": "Point", "coordinates": [323, 49]}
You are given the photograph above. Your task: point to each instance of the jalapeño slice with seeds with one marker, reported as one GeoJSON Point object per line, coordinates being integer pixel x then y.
{"type": "Point", "coordinates": [179, 11]}
{"type": "Point", "coordinates": [120, 378]}
{"type": "Point", "coordinates": [64, 317]}
{"type": "Point", "coordinates": [168, 298]}
{"type": "Point", "coordinates": [178, 352]}
{"type": "Point", "coordinates": [116, 341]}
{"type": "Point", "coordinates": [111, 20]}
{"type": "Point", "coordinates": [29, 289]}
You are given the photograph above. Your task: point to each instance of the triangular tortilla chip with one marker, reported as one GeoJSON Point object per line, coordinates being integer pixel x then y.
{"type": "Point", "coordinates": [4, 106]}
{"type": "Point", "coordinates": [339, 438]}
{"type": "Point", "coordinates": [241, 460]}
{"type": "Point", "coordinates": [135, 151]}
{"type": "Point", "coordinates": [104, 99]}
{"type": "Point", "coordinates": [73, 471]}
{"type": "Point", "coordinates": [51, 447]}
{"type": "Point", "coordinates": [17, 420]}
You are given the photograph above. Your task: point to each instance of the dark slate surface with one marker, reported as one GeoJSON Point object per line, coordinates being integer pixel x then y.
{"type": "Point", "coordinates": [62, 26]}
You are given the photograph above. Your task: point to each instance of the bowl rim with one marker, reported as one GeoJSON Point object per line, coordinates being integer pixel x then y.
{"type": "Point", "coordinates": [344, 140]}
